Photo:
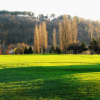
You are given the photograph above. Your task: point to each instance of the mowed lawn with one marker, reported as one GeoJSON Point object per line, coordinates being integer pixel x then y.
{"type": "Point", "coordinates": [49, 77]}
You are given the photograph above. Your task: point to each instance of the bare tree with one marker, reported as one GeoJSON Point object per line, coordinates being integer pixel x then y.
{"type": "Point", "coordinates": [40, 38]}
{"type": "Point", "coordinates": [60, 36]}
{"type": "Point", "coordinates": [98, 35]}
{"type": "Point", "coordinates": [90, 31]}
{"type": "Point", "coordinates": [45, 36]}
{"type": "Point", "coordinates": [74, 30]}
{"type": "Point", "coordinates": [36, 39]}
{"type": "Point", "coordinates": [67, 32]}
{"type": "Point", "coordinates": [54, 38]}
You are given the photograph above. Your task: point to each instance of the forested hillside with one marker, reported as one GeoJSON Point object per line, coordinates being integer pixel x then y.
{"type": "Point", "coordinates": [20, 29]}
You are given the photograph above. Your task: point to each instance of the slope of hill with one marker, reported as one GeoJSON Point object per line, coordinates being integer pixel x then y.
{"type": "Point", "coordinates": [19, 29]}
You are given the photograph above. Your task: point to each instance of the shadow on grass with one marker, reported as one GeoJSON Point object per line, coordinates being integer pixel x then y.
{"type": "Point", "coordinates": [53, 84]}
{"type": "Point", "coordinates": [40, 72]}
{"type": "Point", "coordinates": [61, 89]}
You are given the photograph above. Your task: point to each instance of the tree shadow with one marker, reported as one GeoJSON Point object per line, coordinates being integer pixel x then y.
{"type": "Point", "coordinates": [40, 72]}
{"type": "Point", "coordinates": [53, 84]}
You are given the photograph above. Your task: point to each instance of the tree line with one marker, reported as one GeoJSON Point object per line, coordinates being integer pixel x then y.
{"type": "Point", "coordinates": [62, 30]}
{"type": "Point", "coordinates": [40, 38]}
{"type": "Point", "coordinates": [16, 29]}
{"type": "Point", "coordinates": [67, 37]}
{"type": "Point", "coordinates": [30, 13]}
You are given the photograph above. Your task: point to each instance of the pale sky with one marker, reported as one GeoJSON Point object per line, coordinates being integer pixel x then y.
{"type": "Point", "coordinates": [88, 9]}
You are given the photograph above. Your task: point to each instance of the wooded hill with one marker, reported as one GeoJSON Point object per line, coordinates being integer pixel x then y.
{"type": "Point", "coordinates": [20, 29]}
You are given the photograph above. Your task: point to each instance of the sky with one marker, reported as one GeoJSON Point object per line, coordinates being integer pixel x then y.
{"type": "Point", "coordinates": [87, 9]}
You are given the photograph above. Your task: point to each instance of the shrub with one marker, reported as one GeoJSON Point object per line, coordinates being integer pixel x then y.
{"type": "Point", "coordinates": [18, 50]}
{"type": "Point", "coordinates": [57, 51]}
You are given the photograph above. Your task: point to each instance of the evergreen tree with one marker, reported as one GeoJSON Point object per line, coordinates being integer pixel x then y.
{"type": "Point", "coordinates": [93, 45]}
{"type": "Point", "coordinates": [21, 52]}
{"type": "Point", "coordinates": [30, 51]}
{"type": "Point", "coordinates": [58, 50]}
{"type": "Point", "coordinates": [52, 50]}
{"type": "Point", "coordinates": [25, 50]}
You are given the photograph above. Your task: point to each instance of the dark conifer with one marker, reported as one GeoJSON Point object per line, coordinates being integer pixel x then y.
{"type": "Point", "coordinates": [30, 51]}
{"type": "Point", "coordinates": [25, 50]}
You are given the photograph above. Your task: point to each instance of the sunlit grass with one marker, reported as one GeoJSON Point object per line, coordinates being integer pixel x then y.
{"type": "Point", "coordinates": [12, 61]}
{"type": "Point", "coordinates": [49, 77]}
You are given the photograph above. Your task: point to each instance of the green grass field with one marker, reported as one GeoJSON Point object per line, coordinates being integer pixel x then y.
{"type": "Point", "coordinates": [49, 77]}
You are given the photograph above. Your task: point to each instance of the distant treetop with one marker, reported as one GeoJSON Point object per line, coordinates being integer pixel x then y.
{"type": "Point", "coordinates": [17, 12]}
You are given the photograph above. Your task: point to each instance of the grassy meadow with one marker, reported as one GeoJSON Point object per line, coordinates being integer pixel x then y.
{"type": "Point", "coordinates": [49, 77]}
